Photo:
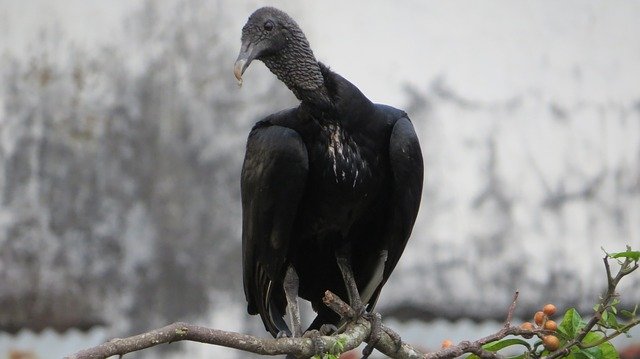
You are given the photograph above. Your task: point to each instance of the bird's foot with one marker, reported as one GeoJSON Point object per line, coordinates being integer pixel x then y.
{"type": "Point", "coordinates": [359, 311]}
{"type": "Point", "coordinates": [318, 344]}
{"type": "Point", "coordinates": [311, 333]}
{"type": "Point", "coordinates": [374, 335]}
{"type": "Point", "coordinates": [283, 334]}
{"type": "Point", "coordinates": [328, 329]}
{"type": "Point", "coordinates": [397, 340]}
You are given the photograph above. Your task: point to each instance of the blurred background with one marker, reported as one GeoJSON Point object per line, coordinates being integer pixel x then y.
{"type": "Point", "coordinates": [122, 132]}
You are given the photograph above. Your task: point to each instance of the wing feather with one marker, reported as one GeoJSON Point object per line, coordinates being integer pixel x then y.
{"type": "Point", "coordinates": [407, 170]}
{"type": "Point", "coordinates": [274, 175]}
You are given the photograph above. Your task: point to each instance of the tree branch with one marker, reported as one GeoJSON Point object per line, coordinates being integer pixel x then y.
{"type": "Point", "coordinates": [355, 334]}
{"type": "Point", "coordinates": [184, 331]}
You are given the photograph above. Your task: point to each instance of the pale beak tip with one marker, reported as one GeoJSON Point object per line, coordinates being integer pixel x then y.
{"type": "Point", "coordinates": [238, 69]}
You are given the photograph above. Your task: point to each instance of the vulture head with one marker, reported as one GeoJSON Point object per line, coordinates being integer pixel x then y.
{"type": "Point", "coordinates": [273, 37]}
{"type": "Point", "coordinates": [266, 33]}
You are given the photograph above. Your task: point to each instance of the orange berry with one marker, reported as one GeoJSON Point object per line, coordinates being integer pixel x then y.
{"type": "Point", "coordinates": [550, 325]}
{"type": "Point", "coordinates": [527, 326]}
{"type": "Point", "coordinates": [549, 309]}
{"type": "Point", "coordinates": [539, 318]}
{"type": "Point", "coordinates": [446, 343]}
{"type": "Point", "coordinates": [551, 342]}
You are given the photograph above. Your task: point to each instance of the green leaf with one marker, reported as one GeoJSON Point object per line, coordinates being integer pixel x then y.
{"type": "Point", "coordinates": [626, 313]}
{"type": "Point", "coordinates": [571, 323]}
{"type": "Point", "coordinates": [605, 350]}
{"type": "Point", "coordinates": [591, 337]}
{"type": "Point", "coordinates": [608, 351]}
{"type": "Point", "coordinates": [633, 255]}
{"type": "Point", "coordinates": [338, 346]}
{"type": "Point", "coordinates": [612, 321]}
{"type": "Point", "coordinates": [501, 344]}
{"type": "Point", "coordinates": [609, 319]}
{"type": "Point", "coordinates": [589, 353]}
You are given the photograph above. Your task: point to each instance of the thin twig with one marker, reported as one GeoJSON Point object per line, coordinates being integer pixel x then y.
{"type": "Point", "coordinates": [476, 347]}
{"type": "Point", "coordinates": [607, 338]}
{"type": "Point", "coordinates": [512, 308]}
{"type": "Point", "coordinates": [610, 284]}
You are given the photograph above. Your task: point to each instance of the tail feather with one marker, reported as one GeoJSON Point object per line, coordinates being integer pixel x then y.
{"type": "Point", "coordinates": [271, 304]}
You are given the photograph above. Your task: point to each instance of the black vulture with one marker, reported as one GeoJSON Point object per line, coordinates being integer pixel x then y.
{"type": "Point", "coordinates": [330, 189]}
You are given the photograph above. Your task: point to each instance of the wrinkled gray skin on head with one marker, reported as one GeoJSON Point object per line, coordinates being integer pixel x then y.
{"type": "Point", "coordinates": [274, 38]}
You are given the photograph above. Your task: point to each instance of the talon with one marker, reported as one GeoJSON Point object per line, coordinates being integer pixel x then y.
{"type": "Point", "coordinates": [311, 333]}
{"type": "Point", "coordinates": [327, 329]}
{"type": "Point", "coordinates": [283, 334]}
{"type": "Point", "coordinates": [318, 344]}
{"type": "Point", "coordinates": [397, 340]}
{"type": "Point", "coordinates": [367, 351]}
{"type": "Point", "coordinates": [374, 334]}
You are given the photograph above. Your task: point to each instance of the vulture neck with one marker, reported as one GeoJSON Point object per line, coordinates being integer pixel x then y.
{"type": "Point", "coordinates": [296, 66]}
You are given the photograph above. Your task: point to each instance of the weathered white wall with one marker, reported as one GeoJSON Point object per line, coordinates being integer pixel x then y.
{"type": "Point", "coordinates": [121, 135]}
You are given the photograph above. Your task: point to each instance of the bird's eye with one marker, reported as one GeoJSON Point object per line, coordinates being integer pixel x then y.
{"type": "Point", "coordinates": [268, 25]}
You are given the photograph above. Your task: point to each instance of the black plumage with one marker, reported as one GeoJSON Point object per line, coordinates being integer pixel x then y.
{"type": "Point", "coordinates": [336, 177]}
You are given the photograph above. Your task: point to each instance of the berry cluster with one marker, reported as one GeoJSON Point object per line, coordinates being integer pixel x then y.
{"type": "Point", "coordinates": [541, 320]}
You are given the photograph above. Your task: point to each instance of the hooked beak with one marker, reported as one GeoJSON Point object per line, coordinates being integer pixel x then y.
{"type": "Point", "coordinates": [246, 55]}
